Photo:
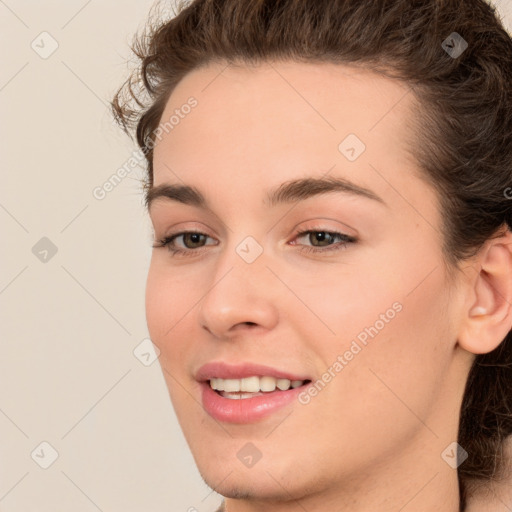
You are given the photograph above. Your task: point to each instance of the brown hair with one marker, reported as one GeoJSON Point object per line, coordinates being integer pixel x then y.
{"type": "Point", "coordinates": [463, 126]}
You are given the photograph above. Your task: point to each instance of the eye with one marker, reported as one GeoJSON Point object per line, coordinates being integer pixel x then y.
{"type": "Point", "coordinates": [323, 241]}
{"type": "Point", "coordinates": [192, 241]}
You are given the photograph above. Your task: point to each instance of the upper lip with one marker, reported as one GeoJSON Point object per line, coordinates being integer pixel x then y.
{"type": "Point", "coordinates": [222, 370]}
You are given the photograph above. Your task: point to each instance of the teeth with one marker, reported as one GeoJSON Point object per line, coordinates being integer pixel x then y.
{"type": "Point", "coordinates": [231, 384]}
{"type": "Point", "coordinates": [236, 396]}
{"type": "Point", "coordinates": [267, 383]}
{"type": "Point", "coordinates": [283, 384]}
{"type": "Point", "coordinates": [253, 384]}
{"type": "Point", "coordinates": [250, 384]}
{"type": "Point", "coordinates": [216, 384]}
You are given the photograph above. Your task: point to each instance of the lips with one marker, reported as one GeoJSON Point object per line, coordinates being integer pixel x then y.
{"type": "Point", "coordinates": [249, 407]}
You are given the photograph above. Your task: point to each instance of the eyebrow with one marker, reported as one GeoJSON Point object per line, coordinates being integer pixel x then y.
{"type": "Point", "coordinates": [287, 192]}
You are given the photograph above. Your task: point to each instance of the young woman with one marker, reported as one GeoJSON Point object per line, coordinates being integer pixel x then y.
{"type": "Point", "coordinates": [330, 186]}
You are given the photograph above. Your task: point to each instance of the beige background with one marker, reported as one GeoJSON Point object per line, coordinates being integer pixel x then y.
{"type": "Point", "coordinates": [70, 323]}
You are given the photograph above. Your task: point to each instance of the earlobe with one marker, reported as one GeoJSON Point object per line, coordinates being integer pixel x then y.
{"type": "Point", "coordinates": [489, 316]}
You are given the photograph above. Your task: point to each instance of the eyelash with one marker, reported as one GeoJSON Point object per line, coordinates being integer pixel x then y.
{"type": "Point", "coordinates": [346, 240]}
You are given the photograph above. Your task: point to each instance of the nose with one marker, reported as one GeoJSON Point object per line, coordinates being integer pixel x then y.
{"type": "Point", "coordinates": [240, 296]}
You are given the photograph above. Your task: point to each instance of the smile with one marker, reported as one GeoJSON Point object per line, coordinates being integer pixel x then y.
{"type": "Point", "coordinates": [246, 393]}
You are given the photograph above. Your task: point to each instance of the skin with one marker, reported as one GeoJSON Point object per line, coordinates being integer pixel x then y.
{"type": "Point", "coordinates": [372, 439]}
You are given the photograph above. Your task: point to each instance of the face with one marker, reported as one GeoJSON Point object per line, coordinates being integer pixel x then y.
{"type": "Point", "coordinates": [341, 288]}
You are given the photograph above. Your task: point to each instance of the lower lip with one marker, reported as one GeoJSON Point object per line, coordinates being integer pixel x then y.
{"type": "Point", "coordinates": [245, 410]}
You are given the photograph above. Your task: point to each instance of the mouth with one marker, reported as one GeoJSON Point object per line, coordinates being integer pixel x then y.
{"type": "Point", "coordinates": [247, 393]}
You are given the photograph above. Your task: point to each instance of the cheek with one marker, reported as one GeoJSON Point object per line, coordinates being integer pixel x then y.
{"type": "Point", "coordinates": [392, 322]}
{"type": "Point", "coordinates": [157, 303]}
{"type": "Point", "coordinates": [167, 302]}
{"type": "Point", "coordinates": [345, 304]}
{"type": "Point", "coordinates": [172, 298]}
{"type": "Point", "coordinates": [406, 360]}
{"type": "Point", "coordinates": [392, 295]}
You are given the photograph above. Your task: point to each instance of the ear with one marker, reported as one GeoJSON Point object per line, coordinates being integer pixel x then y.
{"type": "Point", "coordinates": [487, 317]}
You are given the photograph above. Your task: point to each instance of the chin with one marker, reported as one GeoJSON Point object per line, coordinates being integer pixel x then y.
{"type": "Point", "coordinates": [265, 482]}
{"type": "Point", "coordinates": [245, 486]}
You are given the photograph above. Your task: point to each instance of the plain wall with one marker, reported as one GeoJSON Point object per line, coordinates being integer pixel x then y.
{"type": "Point", "coordinates": [70, 321]}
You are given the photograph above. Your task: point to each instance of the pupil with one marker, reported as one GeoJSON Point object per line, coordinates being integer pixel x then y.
{"type": "Point", "coordinates": [321, 236]}
{"type": "Point", "coordinates": [195, 237]}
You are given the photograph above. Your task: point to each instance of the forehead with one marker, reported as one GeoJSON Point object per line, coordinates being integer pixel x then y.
{"type": "Point", "coordinates": [277, 121]}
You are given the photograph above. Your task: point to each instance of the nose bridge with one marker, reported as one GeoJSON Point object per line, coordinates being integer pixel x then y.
{"type": "Point", "coordinates": [239, 291]}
